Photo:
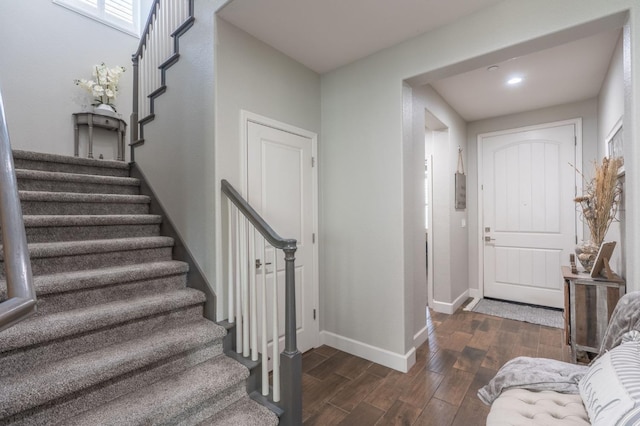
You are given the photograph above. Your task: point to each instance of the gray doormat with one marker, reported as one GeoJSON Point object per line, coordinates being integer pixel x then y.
{"type": "Point", "coordinates": [515, 311]}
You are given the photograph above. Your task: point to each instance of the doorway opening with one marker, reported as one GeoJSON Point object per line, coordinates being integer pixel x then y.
{"type": "Point", "coordinates": [436, 140]}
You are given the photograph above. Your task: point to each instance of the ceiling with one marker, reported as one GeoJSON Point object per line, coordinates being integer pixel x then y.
{"type": "Point", "coordinates": [324, 35]}
{"type": "Point", "coordinates": [567, 73]}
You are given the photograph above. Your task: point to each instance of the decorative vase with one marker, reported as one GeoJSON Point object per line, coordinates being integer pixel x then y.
{"type": "Point", "coordinates": [104, 109]}
{"type": "Point", "coordinates": [586, 253]}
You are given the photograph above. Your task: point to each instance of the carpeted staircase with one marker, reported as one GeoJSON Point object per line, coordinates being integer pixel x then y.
{"type": "Point", "coordinates": [119, 339]}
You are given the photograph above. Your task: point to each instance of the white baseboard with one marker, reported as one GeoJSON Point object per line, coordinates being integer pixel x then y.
{"type": "Point", "coordinates": [449, 308]}
{"type": "Point", "coordinates": [420, 337]}
{"type": "Point", "coordinates": [475, 293]}
{"type": "Point", "coordinates": [372, 353]}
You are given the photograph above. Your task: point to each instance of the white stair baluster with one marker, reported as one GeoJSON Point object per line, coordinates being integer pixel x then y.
{"type": "Point", "coordinates": [239, 318]}
{"type": "Point", "coordinates": [245, 289]}
{"type": "Point", "coordinates": [263, 320]}
{"type": "Point", "coordinates": [253, 315]}
{"type": "Point", "coordinates": [275, 339]}
{"type": "Point", "coordinates": [230, 264]}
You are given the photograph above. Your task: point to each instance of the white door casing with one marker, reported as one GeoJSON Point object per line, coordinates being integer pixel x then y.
{"type": "Point", "coordinates": [527, 188]}
{"type": "Point", "coordinates": [281, 186]}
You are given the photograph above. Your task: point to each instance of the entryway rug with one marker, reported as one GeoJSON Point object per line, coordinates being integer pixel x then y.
{"type": "Point", "coordinates": [515, 311]}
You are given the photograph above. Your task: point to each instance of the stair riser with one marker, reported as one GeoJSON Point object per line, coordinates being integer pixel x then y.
{"type": "Point", "coordinates": [27, 358]}
{"type": "Point", "coordinates": [47, 234]}
{"type": "Point", "coordinates": [58, 302]}
{"type": "Point", "coordinates": [106, 391]}
{"type": "Point", "coordinates": [85, 188]}
{"type": "Point", "coordinates": [54, 265]}
{"type": "Point", "coordinates": [68, 168]}
{"type": "Point", "coordinates": [211, 407]}
{"type": "Point", "coordinates": [57, 207]}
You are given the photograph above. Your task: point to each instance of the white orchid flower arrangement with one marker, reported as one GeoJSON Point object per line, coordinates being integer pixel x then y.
{"type": "Point", "coordinates": [104, 87]}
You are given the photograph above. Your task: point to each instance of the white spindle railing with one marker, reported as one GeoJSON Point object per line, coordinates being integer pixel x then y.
{"type": "Point", "coordinates": [252, 291]}
{"type": "Point", "coordinates": [252, 286]}
{"type": "Point", "coordinates": [168, 19]}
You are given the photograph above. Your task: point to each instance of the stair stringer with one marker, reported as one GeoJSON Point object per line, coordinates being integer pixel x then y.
{"type": "Point", "coordinates": [195, 276]}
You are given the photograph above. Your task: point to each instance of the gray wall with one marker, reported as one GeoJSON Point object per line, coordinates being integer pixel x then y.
{"type": "Point", "coordinates": [253, 76]}
{"type": "Point", "coordinates": [610, 110]}
{"type": "Point", "coordinates": [449, 237]}
{"type": "Point", "coordinates": [178, 155]}
{"type": "Point", "coordinates": [587, 110]}
{"type": "Point", "coordinates": [45, 48]}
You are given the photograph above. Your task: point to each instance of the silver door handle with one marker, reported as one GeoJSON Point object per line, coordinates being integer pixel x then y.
{"type": "Point", "coordinates": [259, 263]}
{"type": "Point", "coordinates": [489, 239]}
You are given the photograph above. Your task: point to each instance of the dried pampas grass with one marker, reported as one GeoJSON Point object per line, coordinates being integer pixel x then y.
{"type": "Point", "coordinates": [601, 198]}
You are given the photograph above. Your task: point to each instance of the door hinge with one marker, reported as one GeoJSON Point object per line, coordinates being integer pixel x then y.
{"type": "Point", "coordinates": [313, 238]}
{"type": "Point", "coordinates": [313, 161]}
{"type": "Point", "coordinates": [575, 141]}
{"type": "Point", "coordinates": [314, 314]}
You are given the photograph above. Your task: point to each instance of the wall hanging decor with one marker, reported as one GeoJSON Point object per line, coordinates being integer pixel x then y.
{"type": "Point", "coordinates": [461, 184]}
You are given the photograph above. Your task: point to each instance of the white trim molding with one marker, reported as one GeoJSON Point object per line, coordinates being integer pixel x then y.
{"type": "Point", "coordinates": [372, 353]}
{"type": "Point", "coordinates": [420, 337]}
{"type": "Point", "coordinates": [450, 308]}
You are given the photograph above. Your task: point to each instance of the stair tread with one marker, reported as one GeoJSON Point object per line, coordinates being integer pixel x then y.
{"type": "Point", "coordinates": [76, 177]}
{"type": "Point", "coordinates": [243, 412]}
{"type": "Point", "coordinates": [40, 329]}
{"type": "Point", "coordinates": [70, 197]}
{"type": "Point", "coordinates": [70, 248]}
{"type": "Point", "coordinates": [159, 402]}
{"type": "Point", "coordinates": [32, 388]}
{"type": "Point", "coordinates": [90, 278]}
{"type": "Point", "coordinates": [56, 158]}
{"type": "Point", "coordinates": [90, 220]}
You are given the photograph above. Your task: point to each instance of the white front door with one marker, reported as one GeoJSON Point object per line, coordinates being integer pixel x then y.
{"type": "Point", "coordinates": [281, 182]}
{"type": "Point", "coordinates": [528, 223]}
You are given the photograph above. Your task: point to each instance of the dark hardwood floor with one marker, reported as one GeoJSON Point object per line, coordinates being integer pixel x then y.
{"type": "Point", "coordinates": [462, 354]}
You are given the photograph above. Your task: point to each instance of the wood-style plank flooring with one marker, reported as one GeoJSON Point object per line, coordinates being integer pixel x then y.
{"type": "Point", "coordinates": [462, 354]}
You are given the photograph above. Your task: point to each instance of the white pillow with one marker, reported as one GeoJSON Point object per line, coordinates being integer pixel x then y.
{"type": "Point", "coordinates": [611, 388]}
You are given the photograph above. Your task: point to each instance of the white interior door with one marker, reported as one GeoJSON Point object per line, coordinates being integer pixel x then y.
{"type": "Point", "coordinates": [280, 183]}
{"type": "Point", "coordinates": [529, 224]}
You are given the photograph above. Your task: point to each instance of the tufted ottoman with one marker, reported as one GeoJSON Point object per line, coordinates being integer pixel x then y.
{"type": "Point", "coordinates": [546, 408]}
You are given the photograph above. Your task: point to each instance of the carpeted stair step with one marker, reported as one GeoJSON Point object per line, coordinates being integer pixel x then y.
{"type": "Point", "coordinates": [58, 203]}
{"type": "Point", "coordinates": [68, 256]}
{"type": "Point", "coordinates": [184, 399]}
{"type": "Point", "coordinates": [80, 289]}
{"type": "Point", "coordinates": [50, 228]}
{"type": "Point", "coordinates": [37, 180]}
{"type": "Point", "coordinates": [65, 164]}
{"type": "Point", "coordinates": [42, 340]}
{"type": "Point", "coordinates": [69, 378]}
{"type": "Point", "coordinates": [243, 412]}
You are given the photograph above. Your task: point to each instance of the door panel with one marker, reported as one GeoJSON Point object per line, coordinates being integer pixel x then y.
{"type": "Point", "coordinates": [279, 176]}
{"type": "Point", "coordinates": [529, 214]}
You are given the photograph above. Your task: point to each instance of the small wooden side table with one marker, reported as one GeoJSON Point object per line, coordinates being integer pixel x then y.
{"type": "Point", "coordinates": [91, 120]}
{"type": "Point", "coordinates": [588, 305]}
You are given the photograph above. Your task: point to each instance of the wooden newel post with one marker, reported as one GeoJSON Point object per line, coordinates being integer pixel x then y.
{"type": "Point", "coordinates": [291, 358]}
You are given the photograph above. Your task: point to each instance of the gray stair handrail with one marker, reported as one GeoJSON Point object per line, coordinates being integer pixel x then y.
{"type": "Point", "coordinates": [290, 358]}
{"type": "Point", "coordinates": [21, 295]}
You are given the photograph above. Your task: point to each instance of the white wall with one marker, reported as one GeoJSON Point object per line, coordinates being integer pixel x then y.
{"type": "Point", "coordinates": [449, 238]}
{"type": "Point", "coordinates": [587, 110]}
{"type": "Point", "coordinates": [253, 76]}
{"type": "Point", "coordinates": [364, 279]}
{"type": "Point", "coordinates": [610, 110]}
{"type": "Point", "coordinates": [45, 48]}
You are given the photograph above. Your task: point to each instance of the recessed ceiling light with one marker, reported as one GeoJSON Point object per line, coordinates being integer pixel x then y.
{"type": "Point", "coordinates": [493, 68]}
{"type": "Point", "coordinates": [514, 80]}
